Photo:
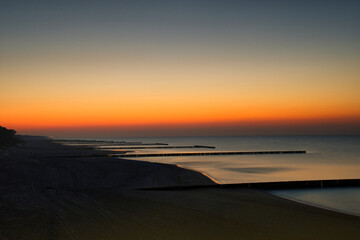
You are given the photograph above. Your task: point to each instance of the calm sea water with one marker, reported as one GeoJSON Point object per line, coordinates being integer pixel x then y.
{"type": "Point", "coordinates": [330, 157]}
{"type": "Point", "coordinates": [327, 157]}
{"type": "Point", "coordinates": [345, 199]}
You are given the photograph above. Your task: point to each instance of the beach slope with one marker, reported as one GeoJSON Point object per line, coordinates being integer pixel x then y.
{"type": "Point", "coordinates": [46, 195]}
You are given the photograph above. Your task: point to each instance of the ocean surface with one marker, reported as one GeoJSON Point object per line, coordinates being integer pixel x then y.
{"type": "Point", "coordinates": [327, 157]}
{"type": "Point", "coordinates": [344, 199]}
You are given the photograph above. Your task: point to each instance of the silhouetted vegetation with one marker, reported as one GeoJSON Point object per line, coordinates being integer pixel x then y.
{"type": "Point", "coordinates": [8, 138]}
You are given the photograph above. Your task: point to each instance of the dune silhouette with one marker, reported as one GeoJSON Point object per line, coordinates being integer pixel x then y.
{"type": "Point", "coordinates": [8, 138]}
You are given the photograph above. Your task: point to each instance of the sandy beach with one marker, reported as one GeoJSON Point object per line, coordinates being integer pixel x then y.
{"type": "Point", "coordinates": [46, 195]}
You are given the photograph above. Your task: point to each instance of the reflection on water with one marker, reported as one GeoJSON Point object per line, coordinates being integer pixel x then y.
{"type": "Point", "coordinates": [242, 169]}
{"type": "Point", "coordinates": [345, 200]}
{"type": "Point", "coordinates": [330, 157]}
{"type": "Point", "coordinates": [260, 170]}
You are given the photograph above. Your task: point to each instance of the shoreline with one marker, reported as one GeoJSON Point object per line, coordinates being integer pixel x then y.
{"type": "Point", "coordinates": [97, 198]}
{"type": "Point", "coordinates": [317, 205]}
{"type": "Point", "coordinates": [328, 202]}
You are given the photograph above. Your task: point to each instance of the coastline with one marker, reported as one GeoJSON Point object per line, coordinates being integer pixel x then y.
{"type": "Point", "coordinates": [43, 197]}
{"type": "Point", "coordinates": [328, 205]}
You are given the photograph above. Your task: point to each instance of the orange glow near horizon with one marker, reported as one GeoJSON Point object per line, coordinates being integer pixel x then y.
{"type": "Point", "coordinates": [59, 122]}
{"type": "Point", "coordinates": [177, 74]}
{"type": "Point", "coordinates": [46, 108]}
{"type": "Point", "coordinates": [76, 98]}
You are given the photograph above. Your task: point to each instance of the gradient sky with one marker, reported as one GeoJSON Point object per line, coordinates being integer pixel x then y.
{"type": "Point", "coordinates": [193, 67]}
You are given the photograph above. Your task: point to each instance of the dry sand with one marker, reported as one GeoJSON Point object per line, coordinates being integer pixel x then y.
{"type": "Point", "coordinates": [46, 196]}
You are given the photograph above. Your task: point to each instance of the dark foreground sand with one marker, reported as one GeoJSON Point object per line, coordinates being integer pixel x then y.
{"type": "Point", "coordinates": [48, 197]}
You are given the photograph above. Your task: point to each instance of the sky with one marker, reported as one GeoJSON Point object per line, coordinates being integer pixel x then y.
{"type": "Point", "coordinates": [178, 68]}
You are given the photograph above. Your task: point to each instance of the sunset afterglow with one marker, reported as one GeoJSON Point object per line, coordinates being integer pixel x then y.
{"type": "Point", "coordinates": [167, 66]}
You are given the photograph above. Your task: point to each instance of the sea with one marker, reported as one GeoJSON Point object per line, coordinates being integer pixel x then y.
{"type": "Point", "coordinates": [327, 157]}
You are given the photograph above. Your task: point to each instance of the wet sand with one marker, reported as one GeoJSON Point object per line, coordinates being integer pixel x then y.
{"type": "Point", "coordinates": [46, 196]}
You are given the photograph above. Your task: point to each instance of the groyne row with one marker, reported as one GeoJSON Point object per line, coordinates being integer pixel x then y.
{"type": "Point", "coordinates": [205, 153]}
{"type": "Point", "coordinates": [332, 183]}
{"type": "Point", "coordinates": [128, 154]}
{"type": "Point", "coordinates": [157, 147]}
{"type": "Point", "coordinates": [107, 142]}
